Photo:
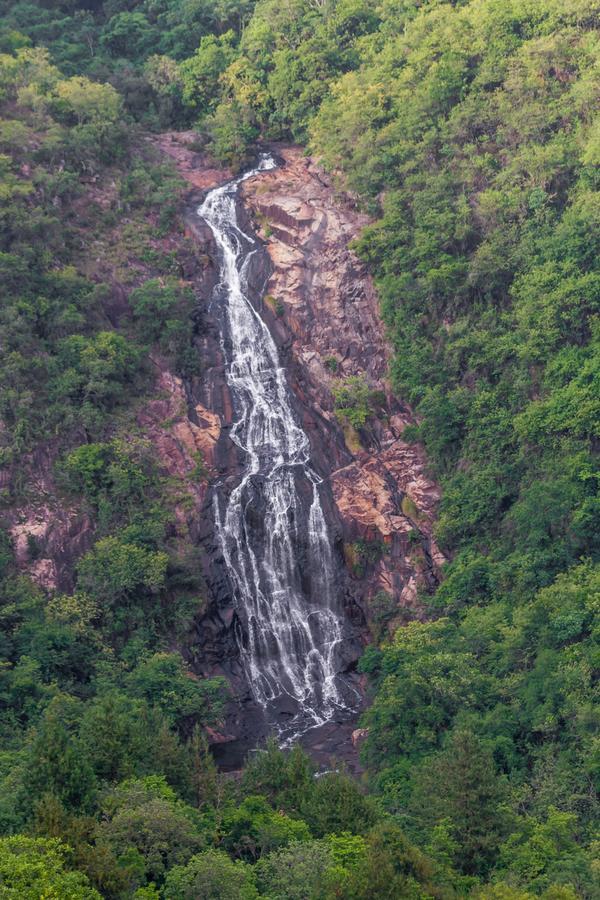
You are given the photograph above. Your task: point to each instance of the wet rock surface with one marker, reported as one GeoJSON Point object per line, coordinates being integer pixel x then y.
{"type": "Point", "coordinates": [326, 309]}
{"type": "Point", "coordinates": [222, 629]}
{"type": "Point", "coordinates": [319, 304]}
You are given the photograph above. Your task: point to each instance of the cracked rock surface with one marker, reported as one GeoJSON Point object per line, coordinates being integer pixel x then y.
{"type": "Point", "coordinates": [326, 309]}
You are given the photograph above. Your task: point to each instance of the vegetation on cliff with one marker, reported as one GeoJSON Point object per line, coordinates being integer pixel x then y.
{"type": "Point", "coordinates": [470, 130]}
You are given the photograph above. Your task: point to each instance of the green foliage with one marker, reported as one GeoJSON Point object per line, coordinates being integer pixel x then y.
{"type": "Point", "coordinates": [522, 678]}
{"type": "Point", "coordinates": [200, 73]}
{"type": "Point", "coordinates": [353, 399]}
{"type": "Point", "coordinates": [232, 134]}
{"type": "Point", "coordinates": [154, 187]}
{"type": "Point", "coordinates": [330, 803]}
{"type": "Point", "coordinates": [124, 737]}
{"type": "Point", "coordinates": [393, 867]}
{"type": "Point", "coordinates": [57, 763]}
{"type": "Point", "coordinates": [480, 265]}
{"type": "Point", "coordinates": [31, 868]}
{"type": "Point", "coordinates": [163, 681]}
{"type": "Point", "coordinates": [336, 803]}
{"type": "Point", "coordinates": [120, 43]}
{"type": "Point", "coordinates": [211, 875]}
{"type": "Point", "coordinates": [540, 855]}
{"type": "Point", "coordinates": [255, 828]}
{"type": "Point", "coordinates": [124, 577]}
{"type": "Point", "coordinates": [6, 554]}
{"type": "Point", "coordinates": [297, 872]}
{"type": "Point", "coordinates": [284, 778]}
{"type": "Point", "coordinates": [424, 678]}
{"type": "Point", "coordinates": [149, 827]}
{"type": "Point", "coordinates": [63, 372]}
{"type": "Point", "coordinates": [118, 479]}
{"type": "Point", "coordinates": [162, 308]}
{"type": "Point", "coordinates": [471, 804]}
{"type": "Point", "coordinates": [363, 555]}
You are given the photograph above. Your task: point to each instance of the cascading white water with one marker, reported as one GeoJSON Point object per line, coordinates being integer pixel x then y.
{"type": "Point", "coordinates": [271, 527]}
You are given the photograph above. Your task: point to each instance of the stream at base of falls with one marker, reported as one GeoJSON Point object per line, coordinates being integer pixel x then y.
{"type": "Point", "coordinates": [271, 527]}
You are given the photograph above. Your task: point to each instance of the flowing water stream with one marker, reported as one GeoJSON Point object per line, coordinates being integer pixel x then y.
{"type": "Point", "coordinates": [271, 526]}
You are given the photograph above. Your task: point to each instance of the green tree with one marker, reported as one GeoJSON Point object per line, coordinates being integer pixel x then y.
{"type": "Point", "coordinates": [125, 578]}
{"type": "Point", "coordinates": [128, 34]}
{"type": "Point", "coordinates": [232, 135]}
{"type": "Point", "coordinates": [163, 308]}
{"type": "Point", "coordinates": [392, 867]}
{"type": "Point", "coordinates": [31, 868]}
{"type": "Point", "coordinates": [147, 823]}
{"type": "Point", "coordinates": [539, 855]}
{"type": "Point", "coordinates": [211, 875]}
{"type": "Point", "coordinates": [164, 682]}
{"type": "Point", "coordinates": [86, 101]}
{"type": "Point", "coordinates": [122, 736]}
{"type": "Point", "coordinates": [284, 777]}
{"type": "Point", "coordinates": [254, 829]}
{"type": "Point", "coordinates": [297, 872]}
{"type": "Point", "coordinates": [472, 801]}
{"type": "Point", "coordinates": [200, 73]}
{"type": "Point", "coordinates": [336, 803]}
{"type": "Point", "coordinates": [56, 762]}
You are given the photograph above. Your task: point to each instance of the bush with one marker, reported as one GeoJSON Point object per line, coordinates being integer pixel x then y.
{"type": "Point", "coordinates": [162, 309]}
{"type": "Point", "coordinates": [353, 400]}
{"type": "Point", "coordinates": [254, 828]}
{"type": "Point", "coordinates": [211, 876]}
{"type": "Point", "coordinates": [31, 868]}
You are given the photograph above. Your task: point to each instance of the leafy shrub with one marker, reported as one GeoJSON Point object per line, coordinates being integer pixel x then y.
{"type": "Point", "coordinates": [352, 398]}
{"type": "Point", "coordinates": [162, 308]}
{"type": "Point", "coordinates": [35, 867]}
{"type": "Point", "coordinates": [211, 875]}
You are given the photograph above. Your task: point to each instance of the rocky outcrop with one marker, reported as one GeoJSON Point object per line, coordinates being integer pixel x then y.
{"type": "Point", "coordinates": [185, 441]}
{"type": "Point", "coordinates": [196, 168]}
{"type": "Point", "coordinates": [322, 305]}
{"type": "Point", "coordinates": [322, 308]}
{"type": "Point", "coordinates": [48, 536]}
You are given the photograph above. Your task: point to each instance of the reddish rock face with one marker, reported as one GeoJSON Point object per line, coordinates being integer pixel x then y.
{"type": "Point", "coordinates": [184, 446]}
{"type": "Point", "coordinates": [198, 170]}
{"type": "Point", "coordinates": [48, 537]}
{"type": "Point", "coordinates": [326, 309]}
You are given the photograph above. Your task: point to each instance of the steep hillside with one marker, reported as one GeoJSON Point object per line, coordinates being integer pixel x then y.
{"type": "Point", "coordinates": [109, 453]}
{"type": "Point", "coordinates": [457, 436]}
{"type": "Point", "coordinates": [99, 569]}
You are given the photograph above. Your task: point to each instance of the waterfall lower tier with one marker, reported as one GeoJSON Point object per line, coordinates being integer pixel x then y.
{"type": "Point", "coordinates": [271, 527]}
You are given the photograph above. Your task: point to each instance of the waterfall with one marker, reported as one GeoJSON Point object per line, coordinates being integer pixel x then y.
{"type": "Point", "coordinates": [271, 527]}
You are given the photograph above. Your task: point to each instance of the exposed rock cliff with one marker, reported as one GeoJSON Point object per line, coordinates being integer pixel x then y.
{"type": "Point", "coordinates": [323, 307]}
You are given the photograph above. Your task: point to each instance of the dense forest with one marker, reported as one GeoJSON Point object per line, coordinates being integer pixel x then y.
{"type": "Point", "coordinates": [470, 131]}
